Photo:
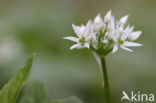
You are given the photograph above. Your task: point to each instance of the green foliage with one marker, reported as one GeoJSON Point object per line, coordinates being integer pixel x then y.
{"type": "Point", "coordinates": [70, 100]}
{"type": "Point", "coordinates": [9, 93]}
{"type": "Point", "coordinates": [34, 93]}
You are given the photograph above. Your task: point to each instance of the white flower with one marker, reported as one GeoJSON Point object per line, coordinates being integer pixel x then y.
{"type": "Point", "coordinates": [84, 33]}
{"type": "Point", "coordinates": [98, 24]}
{"type": "Point", "coordinates": [124, 38]}
{"type": "Point", "coordinates": [105, 35]}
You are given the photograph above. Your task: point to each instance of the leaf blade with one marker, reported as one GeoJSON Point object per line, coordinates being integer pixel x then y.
{"type": "Point", "coordinates": [9, 93]}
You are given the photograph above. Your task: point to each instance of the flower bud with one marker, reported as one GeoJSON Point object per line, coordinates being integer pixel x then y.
{"type": "Point", "coordinates": [108, 16]}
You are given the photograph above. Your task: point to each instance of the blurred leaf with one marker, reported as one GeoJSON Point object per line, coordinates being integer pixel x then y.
{"type": "Point", "coordinates": [34, 93]}
{"type": "Point", "coordinates": [10, 91]}
{"type": "Point", "coordinates": [70, 100]}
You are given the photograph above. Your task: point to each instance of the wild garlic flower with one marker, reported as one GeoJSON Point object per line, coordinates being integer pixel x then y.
{"type": "Point", "coordinates": [84, 34]}
{"type": "Point", "coordinates": [124, 36]}
{"type": "Point", "coordinates": [105, 35]}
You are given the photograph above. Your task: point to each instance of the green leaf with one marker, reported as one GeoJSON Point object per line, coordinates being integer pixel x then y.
{"type": "Point", "coordinates": [9, 93]}
{"type": "Point", "coordinates": [70, 100]}
{"type": "Point", "coordinates": [34, 93]}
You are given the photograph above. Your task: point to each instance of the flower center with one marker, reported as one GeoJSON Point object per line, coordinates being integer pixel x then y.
{"type": "Point", "coordinates": [120, 41]}
{"type": "Point", "coordinates": [82, 40]}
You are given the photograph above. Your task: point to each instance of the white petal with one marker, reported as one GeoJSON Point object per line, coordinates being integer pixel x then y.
{"type": "Point", "coordinates": [108, 16]}
{"type": "Point", "coordinates": [88, 24]}
{"type": "Point", "coordinates": [127, 33]}
{"type": "Point", "coordinates": [111, 36]}
{"type": "Point", "coordinates": [123, 47]}
{"type": "Point", "coordinates": [86, 45]}
{"type": "Point", "coordinates": [90, 35]}
{"type": "Point", "coordinates": [76, 30]}
{"type": "Point", "coordinates": [91, 27]}
{"type": "Point", "coordinates": [87, 28]}
{"type": "Point", "coordinates": [123, 20]}
{"type": "Point", "coordinates": [115, 37]}
{"type": "Point", "coordinates": [112, 23]}
{"type": "Point", "coordinates": [134, 35]}
{"type": "Point", "coordinates": [74, 39]}
{"type": "Point", "coordinates": [97, 18]}
{"type": "Point", "coordinates": [115, 48]}
{"type": "Point", "coordinates": [82, 31]}
{"type": "Point", "coordinates": [126, 43]}
{"type": "Point", "coordinates": [121, 29]}
{"type": "Point", "coordinates": [117, 26]}
{"type": "Point", "coordinates": [75, 46]}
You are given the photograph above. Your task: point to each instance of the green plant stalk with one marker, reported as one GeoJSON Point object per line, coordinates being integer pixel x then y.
{"type": "Point", "coordinates": [106, 81]}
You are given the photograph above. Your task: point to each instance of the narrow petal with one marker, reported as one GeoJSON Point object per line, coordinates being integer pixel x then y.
{"type": "Point", "coordinates": [123, 20]}
{"type": "Point", "coordinates": [116, 34]}
{"type": "Point", "coordinates": [75, 46]}
{"type": "Point", "coordinates": [74, 39]}
{"type": "Point", "coordinates": [88, 23]}
{"type": "Point", "coordinates": [112, 23]}
{"type": "Point", "coordinates": [97, 18]}
{"type": "Point", "coordinates": [115, 48]}
{"type": "Point", "coordinates": [108, 16]}
{"type": "Point", "coordinates": [82, 31]}
{"type": "Point", "coordinates": [127, 33]}
{"type": "Point", "coordinates": [76, 30]}
{"type": "Point", "coordinates": [87, 28]}
{"type": "Point", "coordinates": [86, 45]}
{"type": "Point", "coordinates": [115, 37]}
{"type": "Point", "coordinates": [134, 35]}
{"type": "Point", "coordinates": [131, 44]}
{"type": "Point", "coordinates": [123, 47]}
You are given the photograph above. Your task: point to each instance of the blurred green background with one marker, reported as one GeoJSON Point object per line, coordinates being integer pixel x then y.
{"type": "Point", "coordinates": [28, 26]}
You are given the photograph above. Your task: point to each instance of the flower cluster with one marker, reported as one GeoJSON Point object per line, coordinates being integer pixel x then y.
{"type": "Point", "coordinates": [105, 35]}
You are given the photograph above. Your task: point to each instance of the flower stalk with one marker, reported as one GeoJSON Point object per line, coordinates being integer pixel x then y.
{"type": "Point", "coordinates": [106, 81]}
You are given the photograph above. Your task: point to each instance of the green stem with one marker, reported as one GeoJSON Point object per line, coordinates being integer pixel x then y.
{"type": "Point", "coordinates": [106, 82]}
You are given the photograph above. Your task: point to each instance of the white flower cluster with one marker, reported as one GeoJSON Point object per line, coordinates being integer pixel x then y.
{"type": "Point", "coordinates": [105, 35]}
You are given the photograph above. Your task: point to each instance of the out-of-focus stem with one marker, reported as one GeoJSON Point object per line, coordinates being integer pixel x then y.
{"type": "Point", "coordinates": [106, 81]}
